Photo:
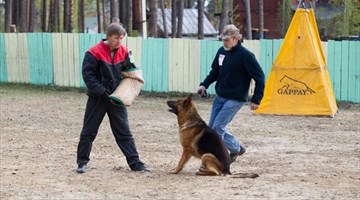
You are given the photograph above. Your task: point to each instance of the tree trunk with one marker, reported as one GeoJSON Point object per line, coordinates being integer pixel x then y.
{"type": "Point", "coordinates": [130, 18]}
{"type": "Point", "coordinates": [32, 15]}
{"type": "Point", "coordinates": [173, 18]}
{"type": "Point", "coordinates": [200, 19]}
{"type": "Point", "coordinates": [44, 15]}
{"type": "Point", "coordinates": [114, 11]}
{"type": "Point", "coordinates": [104, 15]}
{"type": "Point", "coordinates": [57, 14]}
{"type": "Point", "coordinates": [51, 16]}
{"type": "Point", "coordinates": [153, 18]}
{"type": "Point", "coordinates": [224, 19]}
{"type": "Point", "coordinates": [99, 15]}
{"type": "Point", "coordinates": [23, 16]}
{"type": "Point", "coordinates": [137, 15]}
{"type": "Point", "coordinates": [15, 20]}
{"type": "Point", "coordinates": [81, 16]}
{"type": "Point", "coordinates": [54, 16]}
{"type": "Point", "coordinates": [248, 20]}
{"type": "Point", "coordinates": [8, 15]}
{"type": "Point", "coordinates": [162, 6]}
{"type": "Point", "coordinates": [180, 16]}
{"type": "Point", "coordinates": [261, 19]}
{"type": "Point", "coordinates": [122, 13]}
{"type": "Point", "coordinates": [67, 16]}
{"type": "Point", "coordinates": [188, 4]}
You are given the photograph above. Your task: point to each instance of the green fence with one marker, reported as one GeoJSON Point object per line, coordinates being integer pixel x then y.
{"type": "Point", "coordinates": [168, 64]}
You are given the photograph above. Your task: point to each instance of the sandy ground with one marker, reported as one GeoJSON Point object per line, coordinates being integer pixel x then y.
{"type": "Point", "coordinates": [297, 157]}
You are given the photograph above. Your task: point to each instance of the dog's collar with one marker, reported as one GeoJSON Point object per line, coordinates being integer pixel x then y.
{"type": "Point", "coordinates": [190, 125]}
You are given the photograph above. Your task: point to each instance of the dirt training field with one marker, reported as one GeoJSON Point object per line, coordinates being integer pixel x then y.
{"type": "Point", "coordinates": [297, 157]}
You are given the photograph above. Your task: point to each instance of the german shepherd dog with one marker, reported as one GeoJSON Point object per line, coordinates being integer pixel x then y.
{"type": "Point", "coordinates": [199, 140]}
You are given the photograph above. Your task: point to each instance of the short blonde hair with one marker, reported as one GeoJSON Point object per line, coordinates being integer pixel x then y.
{"type": "Point", "coordinates": [230, 31]}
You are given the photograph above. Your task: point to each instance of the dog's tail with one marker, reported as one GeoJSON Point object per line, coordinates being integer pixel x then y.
{"type": "Point", "coordinates": [244, 175]}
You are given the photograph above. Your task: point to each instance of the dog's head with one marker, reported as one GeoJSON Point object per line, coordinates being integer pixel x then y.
{"type": "Point", "coordinates": [181, 106]}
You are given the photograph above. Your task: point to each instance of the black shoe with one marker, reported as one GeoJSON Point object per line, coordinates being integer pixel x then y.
{"type": "Point", "coordinates": [234, 156]}
{"type": "Point", "coordinates": [81, 169]}
{"type": "Point", "coordinates": [141, 168]}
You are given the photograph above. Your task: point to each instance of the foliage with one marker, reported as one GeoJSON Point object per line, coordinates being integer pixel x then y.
{"type": "Point", "coordinates": [346, 23]}
{"type": "Point", "coordinates": [285, 16]}
{"type": "Point", "coordinates": [2, 19]}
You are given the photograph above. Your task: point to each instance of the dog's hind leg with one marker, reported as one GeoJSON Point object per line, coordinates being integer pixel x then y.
{"type": "Point", "coordinates": [203, 172]}
{"type": "Point", "coordinates": [210, 165]}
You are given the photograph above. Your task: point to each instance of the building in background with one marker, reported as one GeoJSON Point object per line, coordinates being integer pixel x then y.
{"type": "Point", "coordinates": [190, 25]}
{"type": "Point", "coordinates": [271, 17]}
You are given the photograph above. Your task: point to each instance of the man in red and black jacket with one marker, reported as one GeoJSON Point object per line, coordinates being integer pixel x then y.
{"type": "Point", "coordinates": [102, 66]}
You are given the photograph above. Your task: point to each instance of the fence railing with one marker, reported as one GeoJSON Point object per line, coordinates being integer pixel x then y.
{"type": "Point", "coordinates": [168, 64]}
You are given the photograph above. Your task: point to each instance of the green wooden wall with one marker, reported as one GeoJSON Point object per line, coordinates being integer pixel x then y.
{"type": "Point", "coordinates": [168, 64]}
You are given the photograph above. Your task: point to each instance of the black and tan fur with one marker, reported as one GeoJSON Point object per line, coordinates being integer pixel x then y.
{"type": "Point", "coordinates": [199, 140]}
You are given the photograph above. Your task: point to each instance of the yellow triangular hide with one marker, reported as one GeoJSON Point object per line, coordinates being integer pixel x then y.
{"type": "Point", "coordinates": [299, 83]}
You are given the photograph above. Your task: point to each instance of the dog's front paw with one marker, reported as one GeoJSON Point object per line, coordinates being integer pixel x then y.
{"type": "Point", "coordinates": [174, 170]}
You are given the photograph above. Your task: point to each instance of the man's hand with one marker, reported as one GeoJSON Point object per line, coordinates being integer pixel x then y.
{"type": "Point", "coordinates": [254, 106]}
{"type": "Point", "coordinates": [201, 91]}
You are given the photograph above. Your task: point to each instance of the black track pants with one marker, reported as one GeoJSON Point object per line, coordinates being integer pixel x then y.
{"type": "Point", "coordinates": [94, 114]}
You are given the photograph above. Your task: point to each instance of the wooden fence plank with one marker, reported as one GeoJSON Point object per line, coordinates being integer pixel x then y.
{"type": "Point", "coordinates": [175, 70]}
{"type": "Point", "coordinates": [48, 60]}
{"type": "Point", "coordinates": [164, 74]}
{"type": "Point", "coordinates": [147, 69]}
{"type": "Point", "coordinates": [65, 61]}
{"type": "Point", "coordinates": [251, 46]}
{"type": "Point", "coordinates": [276, 48]}
{"type": "Point", "coordinates": [3, 67]}
{"type": "Point", "coordinates": [40, 58]}
{"type": "Point", "coordinates": [337, 70]}
{"type": "Point", "coordinates": [134, 44]}
{"type": "Point", "coordinates": [69, 42]}
{"type": "Point", "coordinates": [331, 62]}
{"type": "Point", "coordinates": [256, 49]}
{"type": "Point", "coordinates": [208, 52]}
{"type": "Point", "coordinates": [57, 62]}
{"type": "Point", "coordinates": [161, 67]}
{"type": "Point", "coordinates": [17, 57]}
{"type": "Point", "coordinates": [83, 47]}
{"type": "Point", "coordinates": [266, 56]}
{"type": "Point", "coordinates": [354, 72]}
{"type": "Point", "coordinates": [183, 64]}
{"type": "Point", "coordinates": [324, 48]}
{"type": "Point", "coordinates": [154, 51]}
{"type": "Point", "coordinates": [11, 53]}
{"type": "Point", "coordinates": [75, 55]}
{"type": "Point", "coordinates": [24, 57]}
{"type": "Point", "coordinates": [344, 69]}
{"type": "Point", "coordinates": [193, 65]}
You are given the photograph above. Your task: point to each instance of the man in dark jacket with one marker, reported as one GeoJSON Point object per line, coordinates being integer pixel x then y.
{"type": "Point", "coordinates": [233, 68]}
{"type": "Point", "coordinates": [101, 70]}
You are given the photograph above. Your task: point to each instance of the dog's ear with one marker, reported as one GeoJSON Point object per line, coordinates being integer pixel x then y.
{"type": "Point", "coordinates": [188, 100]}
{"type": "Point", "coordinates": [189, 96]}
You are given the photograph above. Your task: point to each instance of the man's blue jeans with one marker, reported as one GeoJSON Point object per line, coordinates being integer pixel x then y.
{"type": "Point", "coordinates": [223, 111]}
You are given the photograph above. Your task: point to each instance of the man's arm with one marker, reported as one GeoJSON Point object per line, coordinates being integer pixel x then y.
{"type": "Point", "coordinates": [213, 74]}
{"type": "Point", "coordinates": [256, 73]}
{"type": "Point", "coordinates": [91, 76]}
